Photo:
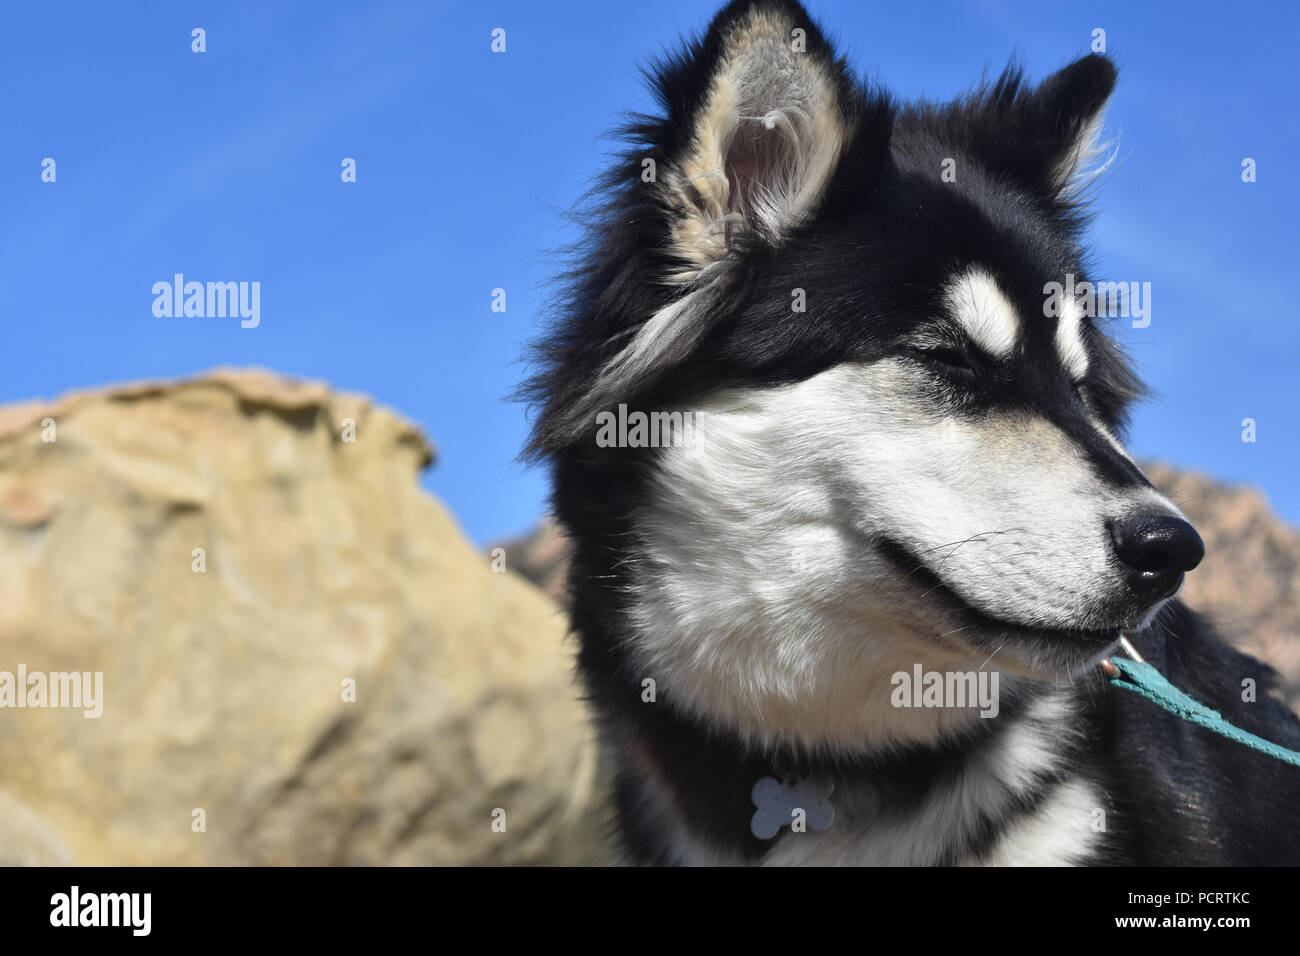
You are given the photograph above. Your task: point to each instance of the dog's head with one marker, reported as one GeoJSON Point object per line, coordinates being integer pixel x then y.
{"type": "Point", "coordinates": [906, 442]}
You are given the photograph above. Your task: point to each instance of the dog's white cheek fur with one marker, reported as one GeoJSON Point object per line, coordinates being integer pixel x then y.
{"type": "Point", "coordinates": [760, 600]}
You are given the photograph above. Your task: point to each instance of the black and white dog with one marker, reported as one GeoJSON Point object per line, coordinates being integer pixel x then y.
{"type": "Point", "coordinates": [900, 478]}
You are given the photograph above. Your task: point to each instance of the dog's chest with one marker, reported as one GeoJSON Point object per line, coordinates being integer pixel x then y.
{"type": "Point", "coordinates": [973, 823]}
{"type": "Point", "coordinates": [1018, 799]}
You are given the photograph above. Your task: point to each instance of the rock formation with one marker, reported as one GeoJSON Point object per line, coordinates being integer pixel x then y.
{"type": "Point", "coordinates": [303, 660]}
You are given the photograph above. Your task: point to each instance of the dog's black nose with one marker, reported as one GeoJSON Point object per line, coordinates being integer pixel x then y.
{"type": "Point", "coordinates": [1157, 549]}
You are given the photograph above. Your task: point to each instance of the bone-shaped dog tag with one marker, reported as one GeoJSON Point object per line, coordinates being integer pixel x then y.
{"type": "Point", "coordinates": [777, 803]}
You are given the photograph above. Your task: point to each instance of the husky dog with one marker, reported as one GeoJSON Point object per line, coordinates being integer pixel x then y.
{"type": "Point", "coordinates": [903, 465]}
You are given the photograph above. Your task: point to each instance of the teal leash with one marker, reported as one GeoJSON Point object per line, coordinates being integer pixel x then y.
{"type": "Point", "coordinates": [1141, 678]}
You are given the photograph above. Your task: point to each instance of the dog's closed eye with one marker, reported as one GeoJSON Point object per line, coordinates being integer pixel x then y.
{"type": "Point", "coordinates": [948, 361]}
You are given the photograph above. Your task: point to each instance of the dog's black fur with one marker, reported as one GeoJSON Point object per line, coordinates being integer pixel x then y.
{"type": "Point", "coordinates": [1178, 794]}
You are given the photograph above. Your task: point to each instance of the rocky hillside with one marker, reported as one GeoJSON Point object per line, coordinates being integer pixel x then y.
{"type": "Point", "coordinates": [303, 661]}
{"type": "Point", "coordinates": [1249, 583]}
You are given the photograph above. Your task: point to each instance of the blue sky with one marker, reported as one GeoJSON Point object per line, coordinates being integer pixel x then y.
{"type": "Point", "coordinates": [225, 166]}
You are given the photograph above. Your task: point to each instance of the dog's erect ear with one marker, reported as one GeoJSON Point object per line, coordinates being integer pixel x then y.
{"type": "Point", "coordinates": [758, 115]}
{"type": "Point", "coordinates": [757, 141]}
{"type": "Point", "coordinates": [1067, 112]}
{"type": "Point", "coordinates": [1046, 139]}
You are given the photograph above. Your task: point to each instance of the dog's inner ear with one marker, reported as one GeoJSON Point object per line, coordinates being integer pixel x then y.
{"type": "Point", "coordinates": [760, 143]}
{"type": "Point", "coordinates": [763, 140]}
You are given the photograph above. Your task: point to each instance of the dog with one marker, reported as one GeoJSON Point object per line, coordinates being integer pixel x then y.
{"type": "Point", "coordinates": [902, 477]}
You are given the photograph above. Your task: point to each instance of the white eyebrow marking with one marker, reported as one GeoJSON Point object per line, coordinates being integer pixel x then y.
{"type": "Point", "coordinates": [1110, 437]}
{"type": "Point", "coordinates": [984, 312]}
{"type": "Point", "coordinates": [1069, 338]}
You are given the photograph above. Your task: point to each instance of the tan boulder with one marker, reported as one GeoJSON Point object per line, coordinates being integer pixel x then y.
{"type": "Point", "coordinates": [226, 670]}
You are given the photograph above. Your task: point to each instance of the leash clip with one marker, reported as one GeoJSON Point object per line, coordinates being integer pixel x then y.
{"type": "Point", "coordinates": [1108, 667]}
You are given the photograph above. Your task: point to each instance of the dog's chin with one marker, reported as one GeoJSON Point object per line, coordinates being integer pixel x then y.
{"type": "Point", "coordinates": [1041, 653]}
{"type": "Point", "coordinates": [1044, 652]}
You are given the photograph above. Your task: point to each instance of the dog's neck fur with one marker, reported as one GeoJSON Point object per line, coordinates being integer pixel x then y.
{"type": "Point", "coordinates": [684, 785]}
